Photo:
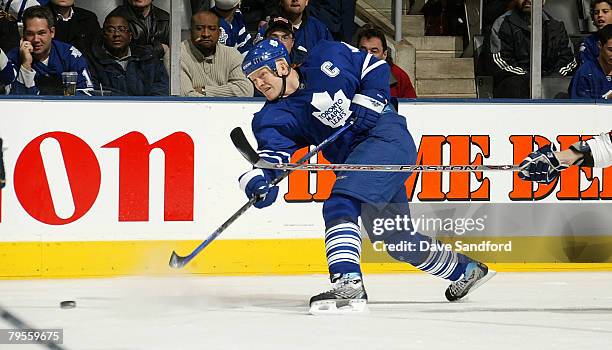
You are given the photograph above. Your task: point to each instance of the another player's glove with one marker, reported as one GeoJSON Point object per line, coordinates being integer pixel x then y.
{"type": "Point", "coordinates": [256, 184]}
{"type": "Point", "coordinates": [541, 166]}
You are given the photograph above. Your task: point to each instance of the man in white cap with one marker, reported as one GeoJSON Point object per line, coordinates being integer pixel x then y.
{"type": "Point", "coordinates": [233, 27]}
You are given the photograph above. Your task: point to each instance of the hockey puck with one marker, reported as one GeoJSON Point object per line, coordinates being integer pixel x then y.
{"type": "Point", "coordinates": [68, 304]}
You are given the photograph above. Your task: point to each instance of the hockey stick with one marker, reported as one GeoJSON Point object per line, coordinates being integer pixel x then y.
{"type": "Point", "coordinates": [2, 173]}
{"type": "Point", "coordinates": [238, 138]}
{"type": "Point", "coordinates": [251, 155]}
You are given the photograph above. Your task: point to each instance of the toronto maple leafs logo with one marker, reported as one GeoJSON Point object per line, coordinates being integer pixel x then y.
{"type": "Point", "coordinates": [333, 113]}
{"type": "Point", "coordinates": [75, 52]}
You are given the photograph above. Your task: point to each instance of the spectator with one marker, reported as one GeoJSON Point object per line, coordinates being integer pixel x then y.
{"type": "Point", "coordinates": [280, 29]}
{"type": "Point", "coordinates": [17, 7]}
{"type": "Point", "coordinates": [601, 13]}
{"type": "Point", "coordinates": [209, 68]}
{"type": "Point", "coordinates": [35, 67]}
{"type": "Point", "coordinates": [122, 71]}
{"type": "Point", "coordinates": [308, 30]}
{"type": "Point", "coordinates": [373, 40]}
{"type": "Point", "coordinates": [150, 25]}
{"type": "Point", "coordinates": [509, 47]}
{"type": "Point", "coordinates": [74, 25]}
{"type": "Point", "coordinates": [594, 78]}
{"type": "Point", "coordinates": [338, 16]}
{"type": "Point", "coordinates": [233, 29]}
{"type": "Point", "coordinates": [445, 17]}
{"type": "Point", "coordinates": [257, 13]}
{"type": "Point", "coordinates": [9, 34]}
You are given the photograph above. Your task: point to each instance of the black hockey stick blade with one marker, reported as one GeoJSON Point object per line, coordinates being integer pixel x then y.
{"type": "Point", "coordinates": [244, 147]}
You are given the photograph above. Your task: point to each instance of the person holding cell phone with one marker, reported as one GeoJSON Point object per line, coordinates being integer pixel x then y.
{"type": "Point", "coordinates": [36, 66]}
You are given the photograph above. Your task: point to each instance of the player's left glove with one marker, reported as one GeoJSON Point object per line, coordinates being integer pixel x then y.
{"type": "Point", "coordinates": [256, 184]}
{"type": "Point", "coordinates": [541, 166]}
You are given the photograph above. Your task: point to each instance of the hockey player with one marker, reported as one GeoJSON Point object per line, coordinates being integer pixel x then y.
{"type": "Point", "coordinates": [544, 164]}
{"type": "Point", "coordinates": [338, 83]}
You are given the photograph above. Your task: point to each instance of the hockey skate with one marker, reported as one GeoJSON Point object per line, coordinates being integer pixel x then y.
{"type": "Point", "coordinates": [475, 275]}
{"type": "Point", "coordinates": [347, 296]}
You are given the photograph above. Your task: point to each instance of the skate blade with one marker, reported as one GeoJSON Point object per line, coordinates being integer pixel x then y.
{"type": "Point", "coordinates": [331, 307]}
{"type": "Point", "coordinates": [482, 281]}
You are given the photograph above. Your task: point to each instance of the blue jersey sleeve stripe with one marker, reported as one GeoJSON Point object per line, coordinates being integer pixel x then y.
{"type": "Point", "coordinates": [366, 63]}
{"type": "Point", "coordinates": [371, 68]}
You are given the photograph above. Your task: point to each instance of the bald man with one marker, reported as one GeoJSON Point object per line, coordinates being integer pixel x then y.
{"type": "Point", "coordinates": [209, 68]}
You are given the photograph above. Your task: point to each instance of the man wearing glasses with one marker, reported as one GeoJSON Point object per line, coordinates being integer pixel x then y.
{"type": "Point", "coordinates": [120, 70]}
{"type": "Point", "coordinates": [281, 29]}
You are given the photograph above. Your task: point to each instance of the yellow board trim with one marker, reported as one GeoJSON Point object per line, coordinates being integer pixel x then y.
{"type": "Point", "coordinates": [247, 257]}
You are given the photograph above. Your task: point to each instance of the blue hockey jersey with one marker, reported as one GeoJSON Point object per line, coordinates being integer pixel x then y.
{"type": "Point", "coordinates": [235, 34]}
{"type": "Point", "coordinates": [62, 58]}
{"type": "Point", "coordinates": [589, 51]}
{"type": "Point", "coordinates": [310, 33]}
{"type": "Point", "coordinates": [336, 79]}
{"type": "Point", "coordinates": [590, 81]}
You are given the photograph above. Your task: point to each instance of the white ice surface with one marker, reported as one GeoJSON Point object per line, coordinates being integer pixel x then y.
{"type": "Point", "coordinates": [407, 311]}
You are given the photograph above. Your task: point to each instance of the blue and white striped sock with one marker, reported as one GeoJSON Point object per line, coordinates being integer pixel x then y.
{"type": "Point", "coordinates": [445, 264]}
{"type": "Point", "coordinates": [343, 248]}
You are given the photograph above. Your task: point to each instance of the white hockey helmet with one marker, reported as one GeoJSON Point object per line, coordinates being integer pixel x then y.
{"type": "Point", "coordinates": [226, 4]}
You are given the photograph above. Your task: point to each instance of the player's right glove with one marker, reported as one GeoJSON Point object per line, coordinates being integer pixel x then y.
{"type": "Point", "coordinates": [256, 184]}
{"type": "Point", "coordinates": [541, 166]}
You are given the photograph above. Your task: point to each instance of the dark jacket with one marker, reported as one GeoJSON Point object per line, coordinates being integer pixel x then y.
{"type": "Point", "coordinates": [142, 35]}
{"type": "Point", "coordinates": [81, 30]}
{"type": "Point", "coordinates": [510, 41]}
{"type": "Point", "coordinates": [9, 35]}
{"type": "Point", "coordinates": [255, 11]}
{"type": "Point", "coordinates": [338, 16]}
{"type": "Point", "coordinates": [145, 74]}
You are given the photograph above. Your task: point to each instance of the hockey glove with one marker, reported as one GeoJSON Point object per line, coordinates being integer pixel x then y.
{"type": "Point", "coordinates": [255, 184]}
{"type": "Point", "coordinates": [541, 166]}
{"type": "Point", "coordinates": [366, 111]}
{"type": "Point", "coordinates": [365, 119]}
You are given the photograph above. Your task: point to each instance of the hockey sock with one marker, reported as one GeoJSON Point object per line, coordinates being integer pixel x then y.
{"type": "Point", "coordinates": [440, 262]}
{"type": "Point", "coordinates": [342, 235]}
{"type": "Point", "coordinates": [343, 248]}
